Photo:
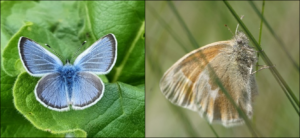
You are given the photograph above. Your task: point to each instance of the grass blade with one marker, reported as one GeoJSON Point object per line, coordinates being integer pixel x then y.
{"type": "Point", "coordinates": [260, 30]}
{"type": "Point", "coordinates": [213, 130]}
{"type": "Point", "coordinates": [185, 121]}
{"type": "Point", "coordinates": [190, 36]}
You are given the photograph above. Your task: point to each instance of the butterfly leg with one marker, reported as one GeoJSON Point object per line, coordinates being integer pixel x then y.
{"type": "Point", "coordinates": [262, 67]}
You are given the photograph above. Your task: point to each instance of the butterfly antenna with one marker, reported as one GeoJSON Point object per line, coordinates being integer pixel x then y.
{"type": "Point", "coordinates": [229, 29]}
{"type": "Point", "coordinates": [79, 49]}
{"type": "Point", "coordinates": [238, 25]}
{"type": "Point", "coordinates": [54, 51]}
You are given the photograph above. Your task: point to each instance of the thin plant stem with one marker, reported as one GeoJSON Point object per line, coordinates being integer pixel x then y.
{"type": "Point", "coordinates": [260, 30]}
{"type": "Point", "coordinates": [190, 36]}
{"type": "Point", "coordinates": [259, 42]}
{"type": "Point", "coordinates": [213, 130]}
{"type": "Point", "coordinates": [185, 121]}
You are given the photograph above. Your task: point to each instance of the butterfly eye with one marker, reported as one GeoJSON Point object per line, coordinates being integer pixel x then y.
{"type": "Point", "coordinates": [67, 61]}
{"type": "Point", "coordinates": [239, 41]}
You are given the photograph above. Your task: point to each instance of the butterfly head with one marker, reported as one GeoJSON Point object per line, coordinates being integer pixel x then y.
{"type": "Point", "coordinates": [67, 62]}
{"type": "Point", "coordinates": [241, 40]}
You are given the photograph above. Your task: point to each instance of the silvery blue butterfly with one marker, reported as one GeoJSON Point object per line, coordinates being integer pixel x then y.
{"type": "Point", "coordinates": [67, 85]}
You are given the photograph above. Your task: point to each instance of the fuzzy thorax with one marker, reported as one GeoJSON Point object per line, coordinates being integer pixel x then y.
{"type": "Point", "coordinates": [245, 55]}
{"type": "Point", "coordinates": [68, 74]}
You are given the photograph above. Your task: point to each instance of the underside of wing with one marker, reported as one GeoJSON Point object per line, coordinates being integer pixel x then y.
{"type": "Point", "coordinates": [178, 82]}
{"type": "Point", "coordinates": [87, 90]}
{"type": "Point", "coordinates": [190, 83]}
{"type": "Point", "coordinates": [51, 92]}
{"type": "Point", "coordinates": [37, 60]}
{"type": "Point", "coordinates": [100, 57]}
{"type": "Point", "coordinates": [211, 102]}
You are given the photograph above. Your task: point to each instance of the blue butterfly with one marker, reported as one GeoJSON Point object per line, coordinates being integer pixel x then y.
{"type": "Point", "coordinates": [65, 85]}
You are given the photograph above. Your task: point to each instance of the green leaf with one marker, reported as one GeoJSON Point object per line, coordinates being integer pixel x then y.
{"type": "Point", "coordinates": [13, 124]}
{"type": "Point", "coordinates": [62, 18]}
{"type": "Point", "coordinates": [120, 112]}
{"type": "Point", "coordinates": [125, 19]}
{"type": "Point", "coordinates": [12, 14]}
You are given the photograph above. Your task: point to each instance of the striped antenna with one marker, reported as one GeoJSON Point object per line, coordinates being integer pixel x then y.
{"type": "Point", "coordinates": [79, 49]}
{"type": "Point", "coordinates": [54, 51]}
{"type": "Point", "coordinates": [229, 29]}
{"type": "Point", "coordinates": [238, 25]}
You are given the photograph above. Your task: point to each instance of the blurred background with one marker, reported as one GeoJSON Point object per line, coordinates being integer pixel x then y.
{"type": "Point", "coordinates": [167, 41]}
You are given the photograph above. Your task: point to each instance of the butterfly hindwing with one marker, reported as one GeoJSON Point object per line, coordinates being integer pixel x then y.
{"type": "Point", "coordinates": [37, 60]}
{"type": "Point", "coordinates": [87, 90]}
{"type": "Point", "coordinates": [100, 57]}
{"type": "Point", "coordinates": [51, 92]}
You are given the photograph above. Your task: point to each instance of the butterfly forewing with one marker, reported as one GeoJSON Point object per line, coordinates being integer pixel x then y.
{"type": "Point", "coordinates": [37, 60]}
{"type": "Point", "coordinates": [87, 90]}
{"type": "Point", "coordinates": [178, 82]}
{"type": "Point", "coordinates": [100, 57]}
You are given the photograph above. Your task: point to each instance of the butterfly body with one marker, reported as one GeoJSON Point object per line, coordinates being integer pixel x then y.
{"type": "Point", "coordinates": [68, 73]}
{"type": "Point", "coordinates": [190, 82]}
{"type": "Point", "coordinates": [67, 85]}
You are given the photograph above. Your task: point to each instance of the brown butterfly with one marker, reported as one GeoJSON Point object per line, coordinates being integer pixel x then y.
{"type": "Point", "coordinates": [189, 82]}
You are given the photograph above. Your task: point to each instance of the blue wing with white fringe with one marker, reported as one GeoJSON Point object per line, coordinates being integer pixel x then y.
{"type": "Point", "coordinates": [100, 57]}
{"type": "Point", "coordinates": [51, 92]}
{"type": "Point", "coordinates": [87, 90]}
{"type": "Point", "coordinates": [37, 60]}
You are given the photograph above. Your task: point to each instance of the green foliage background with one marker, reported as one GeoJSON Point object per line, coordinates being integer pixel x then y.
{"type": "Point", "coordinates": [64, 26]}
{"type": "Point", "coordinates": [273, 114]}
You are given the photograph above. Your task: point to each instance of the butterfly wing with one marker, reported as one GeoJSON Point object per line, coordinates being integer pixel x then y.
{"type": "Point", "coordinates": [240, 85]}
{"type": "Point", "coordinates": [87, 90]}
{"type": "Point", "coordinates": [100, 57]}
{"type": "Point", "coordinates": [177, 84]}
{"type": "Point", "coordinates": [51, 92]}
{"type": "Point", "coordinates": [37, 60]}
{"type": "Point", "coordinates": [189, 83]}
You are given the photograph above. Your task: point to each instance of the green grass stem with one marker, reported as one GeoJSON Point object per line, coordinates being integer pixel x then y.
{"type": "Point", "coordinates": [260, 30]}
